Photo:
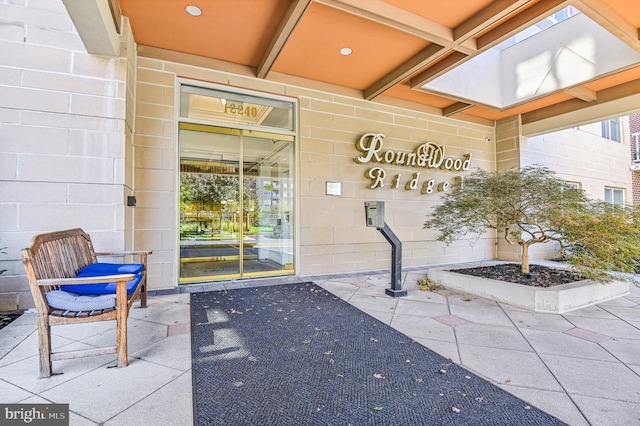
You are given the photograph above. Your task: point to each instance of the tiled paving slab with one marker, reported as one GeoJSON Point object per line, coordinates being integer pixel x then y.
{"type": "Point", "coordinates": [581, 381]}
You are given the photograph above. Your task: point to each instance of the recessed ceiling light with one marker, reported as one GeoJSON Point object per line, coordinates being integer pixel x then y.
{"type": "Point", "coordinates": [346, 51]}
{"type": "Point", "coordinates": [193, 10]}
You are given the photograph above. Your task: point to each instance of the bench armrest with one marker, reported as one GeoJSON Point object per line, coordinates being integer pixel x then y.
{"type": "Point", "coordinates": [126, 253]}
{"type": "Point", "coordinates": [86, 280]}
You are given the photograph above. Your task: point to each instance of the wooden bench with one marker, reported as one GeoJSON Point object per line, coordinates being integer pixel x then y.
{"type": "Point", "coordinates": [53, 262]}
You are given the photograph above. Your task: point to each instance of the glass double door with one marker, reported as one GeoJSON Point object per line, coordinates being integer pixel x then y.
{"type": "Point", "coordinates": [236, 203]}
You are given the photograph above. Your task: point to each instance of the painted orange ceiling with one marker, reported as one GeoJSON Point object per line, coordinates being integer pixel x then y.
{"type": "Point", "coordinates": [404, 91]}
{"type": "Point", "coordinates": [376, 48]}
{"type": "Point", "coordinates": [398, 45]}
{"type": "Point", "coordinates": [615, 79]}
{"type": "Point", "coordinates": [237, 31]}
{"type": "Point", "coordinates": [630, 8]}
{"type": "Point", "coordinates": [449, 13]}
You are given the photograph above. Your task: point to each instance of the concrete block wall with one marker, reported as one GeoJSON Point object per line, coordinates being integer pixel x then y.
{"type": "Point", "coordinates": [79, 133]}
{"type": "Point", "coordinates": [584, 158]}
{"type": "Point", "coordinates": [62, 138]}
{"type": "Point", "coordinates": [508, 141]}
{"type": "Point", "coordinates": [155, 161]}
{"type": "Point", "coordinates": [332, 232]}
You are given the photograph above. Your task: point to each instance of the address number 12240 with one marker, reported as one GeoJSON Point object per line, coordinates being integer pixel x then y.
{"type": "Point", "coordinates": [239, 109]}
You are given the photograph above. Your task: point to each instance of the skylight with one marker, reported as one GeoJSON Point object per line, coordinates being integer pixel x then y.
{"type": "Point", "coordinates": [564, 50]}
{"type": "Point", "coordinates": [538, 27]}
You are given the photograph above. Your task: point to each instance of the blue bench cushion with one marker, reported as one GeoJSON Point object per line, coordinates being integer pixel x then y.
{"type": "Point", "coordinates": [98, 269]}
{"type": "Point", "coordinates": [101, 269]}
{"type": "Point", "coordinates": [102, 288]}
{"type": "Point", "coordinates": [67, 301]}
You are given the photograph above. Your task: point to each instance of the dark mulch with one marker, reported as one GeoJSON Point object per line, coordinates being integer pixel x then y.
{"type": "Point", "coordinates": [538, 276]}
{"type": "Point", "coordinates": [7, 318]}
{"type": "Point", "coordinates": [296, 355]}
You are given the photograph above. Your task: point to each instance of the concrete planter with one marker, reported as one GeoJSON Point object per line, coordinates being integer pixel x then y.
{"type": "Point", "coordinates": [557, 299]}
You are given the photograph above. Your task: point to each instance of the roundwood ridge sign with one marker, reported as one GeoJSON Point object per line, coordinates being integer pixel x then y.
{"type": "Point", "coordinates": [429, 155]}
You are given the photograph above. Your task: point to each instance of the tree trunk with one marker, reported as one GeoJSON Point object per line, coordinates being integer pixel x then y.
{"type": "Point", "coordinates": [525, 258]}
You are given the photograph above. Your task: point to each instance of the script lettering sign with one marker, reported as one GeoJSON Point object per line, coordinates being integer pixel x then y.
{"type": "Point", "coordinates": [427, 156]}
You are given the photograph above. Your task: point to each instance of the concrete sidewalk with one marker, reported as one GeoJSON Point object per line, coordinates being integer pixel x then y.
{"type": "Point", "coordinates": [583, 366]}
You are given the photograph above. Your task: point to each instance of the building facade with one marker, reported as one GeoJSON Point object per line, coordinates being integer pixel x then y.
{"type": "Point", "coordinates": [634, 144]}
{"type": "Point", "coordinates": [227, 176]}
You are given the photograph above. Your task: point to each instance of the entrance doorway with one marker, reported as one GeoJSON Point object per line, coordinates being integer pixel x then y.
{"type": "Point", "coordinates": [236, 203]}
{"type": "Point", "coordinates": [237, 184]}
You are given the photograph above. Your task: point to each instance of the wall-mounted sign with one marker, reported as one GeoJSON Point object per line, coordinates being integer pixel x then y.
{"type": "Point", "coordinates": [428, 155]}
{"type": "Point", "coordinates": [334, 188]}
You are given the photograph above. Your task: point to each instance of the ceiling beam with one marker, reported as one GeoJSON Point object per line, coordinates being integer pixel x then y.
{"type": "Point", "coordinates": [611, 20]}
{"type": "Point", "coordinates": [492, 14]}
{"type": "Point", "coordinates": [402, 20]}
{"type": "Point", "coordinates": [521, 21]}
{"type": "Point", "coordinates": [96, 24]}
{"type": "Point", "coordinates": [487, 17]}
{"type": "Point", "coordinates": [455, 108]}
{"type": "Point", "coordinates": [406, 70]}
{"type": "Point", "coordinates": [439, 68]}
{"type": "Point", "coordinates": [583, 93]}
{"type": "Point", "coordinates": [612, 94]}
{"type": "Point", "coordinates": [116, 13]}
{"type": "Point", "coordinates": [511, 26]}
{"type": "Point", "coordinates": [287, 25]}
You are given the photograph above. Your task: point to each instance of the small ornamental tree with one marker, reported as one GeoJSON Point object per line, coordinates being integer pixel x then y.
{"type": "Point", "coordinates": [602, 238]}
{"type": "Point", "coordinates": [530, 206]}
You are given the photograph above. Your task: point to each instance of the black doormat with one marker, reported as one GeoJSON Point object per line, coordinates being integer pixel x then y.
{"type": "Point", "coordinates": [297, 355]}
{"type": "Point", "coordinates": [7, 318]}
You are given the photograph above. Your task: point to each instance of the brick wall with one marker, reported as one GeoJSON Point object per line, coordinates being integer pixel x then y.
{"type": "Point", "coordinates": [634, 128]}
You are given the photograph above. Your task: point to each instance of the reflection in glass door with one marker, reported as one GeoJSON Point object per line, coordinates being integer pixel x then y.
{"type": "Point", "coordinates": [236, 203]}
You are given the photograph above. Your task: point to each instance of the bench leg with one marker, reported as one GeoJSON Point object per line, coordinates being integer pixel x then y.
{"type": "Point", "coordinates": [122, 310]}
{"type": "Point", "coordinates": [143, 293]}
{"type": "Point", "coordinates": [143, 290]}
{"type": "Point", "coordinates": [44, 345]}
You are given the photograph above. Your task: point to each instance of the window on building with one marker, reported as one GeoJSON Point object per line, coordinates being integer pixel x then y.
{"type": "Point", "coordinates": [635, 140]}
{"type": "Point", "coordinates": [614, 196]}
{"type": "Point", "coordinates": [611, 129]}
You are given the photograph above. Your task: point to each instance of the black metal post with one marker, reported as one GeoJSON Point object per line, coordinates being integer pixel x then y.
{"type": "Point", "coordinates": [396, 263]}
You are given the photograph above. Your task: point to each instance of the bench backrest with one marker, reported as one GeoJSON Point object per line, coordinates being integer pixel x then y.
{"type": "Point", "coordinates": [59, 254]}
